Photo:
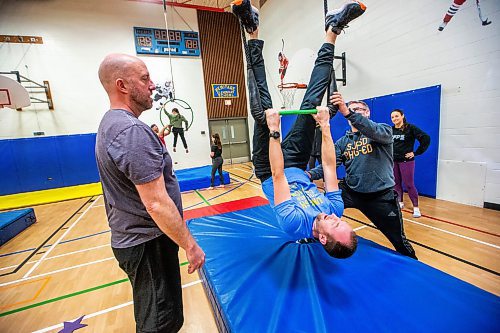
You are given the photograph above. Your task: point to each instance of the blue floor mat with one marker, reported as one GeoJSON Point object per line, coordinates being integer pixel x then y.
{"type": "Point", "coordinates": [258, 279]}
{"type": "Point", "coordinates": [198, 178]}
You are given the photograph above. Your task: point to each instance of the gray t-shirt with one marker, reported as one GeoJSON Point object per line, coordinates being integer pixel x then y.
{"type": "Point", "coordinates": [129, 153]}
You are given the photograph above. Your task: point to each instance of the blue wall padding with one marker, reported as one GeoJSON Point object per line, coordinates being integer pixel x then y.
{"type": "Point", "coordinates": [263, 281]}
{"type": "Point", "coordinates": [421, 107]}
{"type": "Point", "coordinates": [198, 178]}
{"type": "Point", "coordinates": [42, 163]}
{"type": "Point", "coordinates": [13, 222]}
{"type": "Point", "coordinates": [9, 175]}
{"type": "Point", "coordinates": [77, 159]}
{"type": "Point", "coordinates": [38, 163]}
{"type": "Point", "coordinates": [33, 164]}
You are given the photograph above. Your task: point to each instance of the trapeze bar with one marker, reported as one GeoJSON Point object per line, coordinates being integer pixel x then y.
{"type": "Point", "coordinates": [290, 112]}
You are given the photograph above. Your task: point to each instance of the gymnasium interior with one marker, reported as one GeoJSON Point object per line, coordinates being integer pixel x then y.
{"type": "Point", "coordinates": [438, 61]}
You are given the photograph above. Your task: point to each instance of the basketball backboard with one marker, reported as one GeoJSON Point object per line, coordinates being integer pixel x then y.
{"type": "Point", "coordinates": [12, 94]}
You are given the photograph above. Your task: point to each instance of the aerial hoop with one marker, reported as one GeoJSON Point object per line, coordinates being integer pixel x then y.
{"type": "Point", "coordinates": [183, 106]}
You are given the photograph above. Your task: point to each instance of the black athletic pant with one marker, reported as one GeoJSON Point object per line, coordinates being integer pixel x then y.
{"type": "Point", "coordinates": [217, 166]}
{"type": "Point", "coordinates": [382, 209]}
{"type": "Point", "coordinates": [297, 144]}
{"type": "Point", "coordinates": [179, 131]}
{"type": "Point", "coordinates": [153, 270]}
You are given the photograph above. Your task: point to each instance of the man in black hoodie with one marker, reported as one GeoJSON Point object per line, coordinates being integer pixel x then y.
{"type": "Point", "coordinates": [366, 152]}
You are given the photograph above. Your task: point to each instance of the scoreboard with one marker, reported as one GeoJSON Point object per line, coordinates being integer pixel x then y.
{"type": "Point", "coordinates": [157, 41]}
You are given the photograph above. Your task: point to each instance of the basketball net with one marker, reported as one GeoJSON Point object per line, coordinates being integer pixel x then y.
{"type": "Point", "coordinates": [287, 91]}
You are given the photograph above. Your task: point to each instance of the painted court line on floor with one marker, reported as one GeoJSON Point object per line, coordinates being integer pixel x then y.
{"type": "Point", "coordinates": [455, 224]}
{"type": "Point", "coordinates": [64, 242]}
{"type": "Point", "coordinates": [56, 271]}
{"type": "Point", "coordinates": [62, 255]}
{"type": "Point", "coordinates": [81, 292]}
{"type": "Point", "coordinates": [37, 293]}
{"type": "Point", "coordinates": [359, 228]}
{"type": "Point", "coordinates": [453, 233]}
{"type": "Point", "coordinates": [60, 239]}
{"type": "Point", "coordinates": [247, 181]}
{"type": "Point", "coordinates": [47, 329]}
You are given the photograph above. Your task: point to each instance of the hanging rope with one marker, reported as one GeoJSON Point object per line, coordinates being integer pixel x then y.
{"type": "Point", "coordinates": [245, 44]}
{"type": "Point", "coordinates": [325, 6]}
{"type": "Point", "coordinates": [168, 45]}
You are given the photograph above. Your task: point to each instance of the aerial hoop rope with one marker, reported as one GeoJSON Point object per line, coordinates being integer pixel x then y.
{"type": "Point", "coordinates": [171, 96]}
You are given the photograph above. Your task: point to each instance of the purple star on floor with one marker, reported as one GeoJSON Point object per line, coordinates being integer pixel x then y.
{"type": "Point", "coordinates": [71, 326]}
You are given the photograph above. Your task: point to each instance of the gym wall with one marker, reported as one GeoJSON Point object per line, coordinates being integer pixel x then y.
{"type": "Point", "coordinates": [220, 40]}
{"type": "Point", "coordinates": [396, 46]}
{"type": "Point", "coordinates": [77, 35]}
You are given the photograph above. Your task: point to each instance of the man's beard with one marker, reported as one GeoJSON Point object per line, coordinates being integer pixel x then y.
{"type": "Point", "coordinates": [143, 101]}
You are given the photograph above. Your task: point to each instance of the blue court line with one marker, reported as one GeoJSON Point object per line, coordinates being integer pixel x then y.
{"type": "Point", "coordinates": [48, 245]}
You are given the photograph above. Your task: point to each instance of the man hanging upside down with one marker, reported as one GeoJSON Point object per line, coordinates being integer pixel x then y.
{"type": "Point", "coordinates": [302, 210]}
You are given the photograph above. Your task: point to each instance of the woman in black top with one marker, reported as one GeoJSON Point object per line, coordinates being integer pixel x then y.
{"type": "Point", "coordinates": [404, 135]}
{"type": "Point", "coordinates": [216, 155]}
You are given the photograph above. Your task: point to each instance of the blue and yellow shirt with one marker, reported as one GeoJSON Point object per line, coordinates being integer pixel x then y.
{"type": "Point", "coordinates": [296, 216]}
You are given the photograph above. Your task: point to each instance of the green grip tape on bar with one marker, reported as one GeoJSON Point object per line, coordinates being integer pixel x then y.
{"type": "Point", "coordinates": [290, 112]}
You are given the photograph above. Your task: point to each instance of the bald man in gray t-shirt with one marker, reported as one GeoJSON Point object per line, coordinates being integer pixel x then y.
{"type": "Point", "coordinates": [128, 152]}
{"type": "Point", "coordinates": [142, 198]}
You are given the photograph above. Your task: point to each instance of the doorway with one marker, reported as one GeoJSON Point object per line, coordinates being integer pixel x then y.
{"type": "Point", "coordinates": [233, 133]}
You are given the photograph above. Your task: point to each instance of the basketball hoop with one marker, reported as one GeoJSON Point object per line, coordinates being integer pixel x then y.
{"type": "Point", "coordinates": [287, 91]}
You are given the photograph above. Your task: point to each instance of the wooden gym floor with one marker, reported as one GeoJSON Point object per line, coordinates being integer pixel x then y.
{"type": "Point", "coordinates": [62, 267]}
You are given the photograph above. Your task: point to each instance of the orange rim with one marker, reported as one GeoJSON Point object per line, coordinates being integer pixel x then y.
{"type": "Point", "coordinates": [292, 86]}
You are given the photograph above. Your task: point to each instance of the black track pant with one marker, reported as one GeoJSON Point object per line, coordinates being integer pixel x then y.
{"type": "Point", "coordinates": [382, 209]}
{"type": "Point", "coordinates": [217, 166]}
{"type": "Point", "coordinates": [179, 131]}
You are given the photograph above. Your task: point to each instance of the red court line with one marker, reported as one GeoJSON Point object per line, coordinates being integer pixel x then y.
{"type": "Point", "coordinates": [226, 207]}
{"type": "Point", "coordinates": [456, 224]}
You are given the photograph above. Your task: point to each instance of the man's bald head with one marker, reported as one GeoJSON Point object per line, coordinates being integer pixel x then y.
{"type": "Point", "coordinates": [116, 66]}
{"type": "Point", "coordinates": [128, 84]}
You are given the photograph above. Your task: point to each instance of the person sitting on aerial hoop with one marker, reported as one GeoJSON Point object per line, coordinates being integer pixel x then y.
{"type": "Point", "coordinates": [176, 120]}
{"type": "Point", "coordinates": [302, 210]}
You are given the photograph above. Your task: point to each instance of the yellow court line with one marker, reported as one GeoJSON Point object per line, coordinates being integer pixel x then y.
{"type": "Point", "coordinates": [18, 200]}
{"type": "Point", "coordinates": [46, 279]}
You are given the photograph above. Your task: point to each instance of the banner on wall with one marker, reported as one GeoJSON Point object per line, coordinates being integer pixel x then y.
{"type": "Point", "coordinates": [224, 90]}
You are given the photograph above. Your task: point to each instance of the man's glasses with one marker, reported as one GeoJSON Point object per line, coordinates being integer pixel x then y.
{"type": "Point", "coordinates": [357, 109]}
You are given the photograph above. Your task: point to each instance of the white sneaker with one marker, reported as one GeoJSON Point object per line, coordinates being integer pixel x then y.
{"type": "Point", "coordinates": [416, 212]}
{"type": "Point", "coordinates": [401, 204]}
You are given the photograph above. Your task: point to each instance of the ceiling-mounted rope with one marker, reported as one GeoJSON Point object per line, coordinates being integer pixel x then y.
{"type": "Point", "coordinates": [168, 45]}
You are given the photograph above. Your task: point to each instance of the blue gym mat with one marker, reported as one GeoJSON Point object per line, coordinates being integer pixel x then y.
{"type": "Point", "coordinates": [198, 178]}
{"type": "Point", "coordinates": [258, 279]}
{"type": "Point", "coordinates": [15, 221]}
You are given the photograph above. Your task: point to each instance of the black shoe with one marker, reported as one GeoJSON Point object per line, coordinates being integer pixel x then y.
{"type": "Point", "coordinates": [247, 14]}
{"type": "Point", "coordinates": [337, 19]}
